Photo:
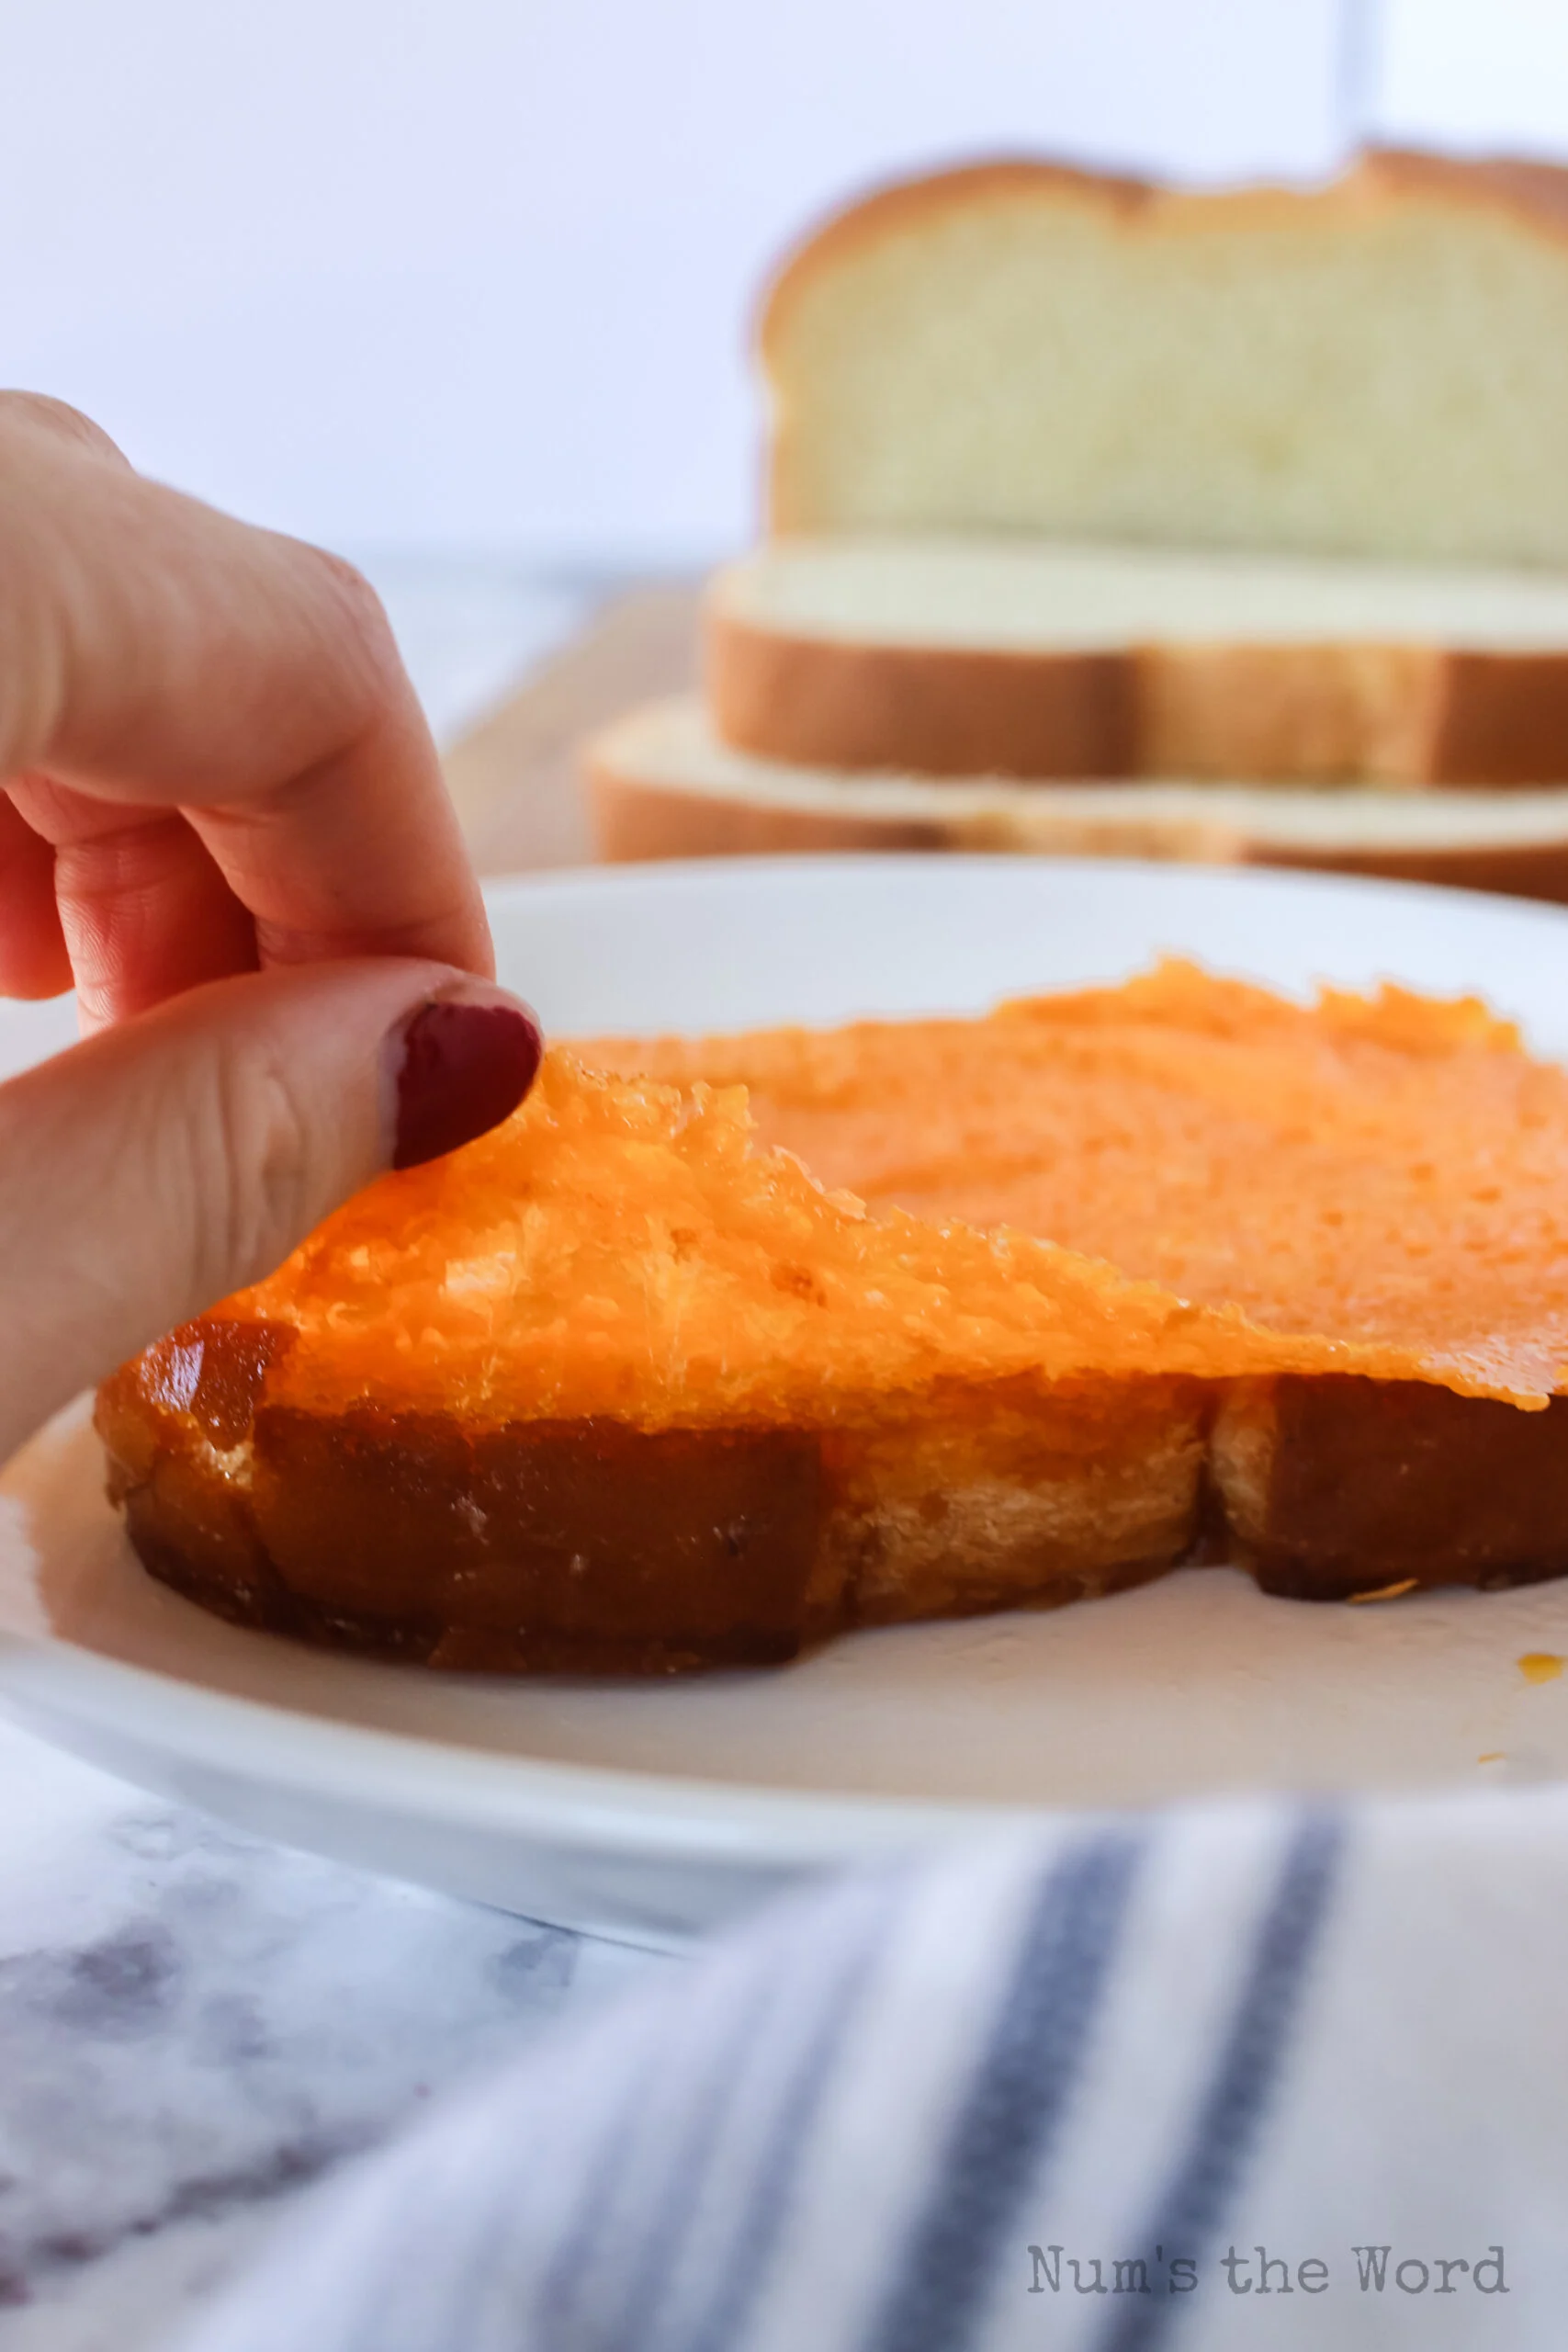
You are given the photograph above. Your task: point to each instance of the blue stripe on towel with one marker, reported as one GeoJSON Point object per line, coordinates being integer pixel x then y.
{"type": "Point", "coordinates": [573, 2279]}
{"type": "Point", "coordinates": [773, 2174]}
{"type": "Point", "coordinates": [1204, 2180]}
{"type": "Point", "coordinates": [671, 2187]}
{"type": "Point", "coordinates": [1016, 2103]}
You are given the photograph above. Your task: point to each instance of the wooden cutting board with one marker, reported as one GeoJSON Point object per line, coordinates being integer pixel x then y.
{"type": "Point", "coordinates": [513, 776]}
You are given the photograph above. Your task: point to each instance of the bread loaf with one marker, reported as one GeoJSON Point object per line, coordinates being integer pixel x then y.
{"type": "Point", "coordinates": [958, 656]}
{"type": "Point", "coordinates": [1377, 368]}
{"type": "Point", "coordinates": [662, 785]}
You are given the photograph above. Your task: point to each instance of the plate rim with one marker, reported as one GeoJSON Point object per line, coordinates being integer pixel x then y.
{"type": "Point", "coordinates": [692, 1819]}
{"type": "Point", "coordinates": [810, 864]}
{"type": "Point", "coordinates": [50, 1679]}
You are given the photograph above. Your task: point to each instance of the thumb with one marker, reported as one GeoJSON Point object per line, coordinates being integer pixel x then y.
{"type": "Point", "coordinates": [166, 1162]}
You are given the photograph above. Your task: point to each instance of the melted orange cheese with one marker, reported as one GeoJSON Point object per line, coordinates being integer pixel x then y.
{"type": "Point", "coordinates": [1180, 1177]}
{"type": "Point", "coordinates": [1391, 1173]}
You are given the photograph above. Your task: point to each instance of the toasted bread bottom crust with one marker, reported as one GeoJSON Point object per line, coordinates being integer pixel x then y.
{"type": "Point", "coordinates": [593, 1547]}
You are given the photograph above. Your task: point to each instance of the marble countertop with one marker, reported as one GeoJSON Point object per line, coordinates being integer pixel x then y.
{"type": "Point", "coordinates": [195, 2026]}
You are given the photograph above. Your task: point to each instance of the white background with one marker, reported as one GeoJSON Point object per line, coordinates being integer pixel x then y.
{"type": "Point", "coordinates": [475, 274]}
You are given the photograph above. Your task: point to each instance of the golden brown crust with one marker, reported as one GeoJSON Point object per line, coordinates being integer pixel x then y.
{"type": "Point", "coordinates": [529, 1546]}
{"type": "Point", "coordinates": [1502, 718]}
{"type": "Point", "coordinates": [900, 205]}
{"type": "Point", "coordinates": [1308, 714]}
{"type": "Point", "coordinates": [1533, 193]}
{"type": "Point", "coordinates": [594, 1547]}
{"type": "Point", "coordinates": [1331, 1487]}
{"type": "Point", "coordinates": [634, 822]}
{"type": "Point", "coordinates": [934, 710]}
{"type": "Point", "coordinates": [1290, 714]}
{"type": "Point", "coordinates": [1537, 871]}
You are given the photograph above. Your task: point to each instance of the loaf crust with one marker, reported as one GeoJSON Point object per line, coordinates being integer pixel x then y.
{"type": "Point", "coordinates": [1533, 193]}
{"type": "Point", "coordinates": [1331, 1487]}
{"type": "Point", "coordinates": [642, 810]}
{"type": "Point", "coordinates": [594, 1548]}
{"type": "Point", "coordinates": [934, 710]}
{"type": "Point", "coordinates": [633, 822]}
{"type": "Point", "coordinates": [1311, 714]}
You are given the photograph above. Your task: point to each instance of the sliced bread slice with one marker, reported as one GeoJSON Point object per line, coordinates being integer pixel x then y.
{"type": "Point", "coordinates": [608, 1390]}
{"type": "Point", "coordinates": [662, 785]}
{"type": "Point", "coordinates": [1365, 1169]}
{"type": "Point", "coordinates": [957, 656]}
{"type": "Point", "coordinates": [618, 1386]}
{"type": "Point", "coordinates": [1375, 367]}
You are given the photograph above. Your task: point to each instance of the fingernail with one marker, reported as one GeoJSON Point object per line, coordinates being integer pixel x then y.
{"type": "Point", "coordinates": [461, 1064]}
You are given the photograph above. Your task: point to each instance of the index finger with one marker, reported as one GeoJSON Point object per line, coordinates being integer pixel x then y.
{"type": "Point", "coordinates": [157, 653]}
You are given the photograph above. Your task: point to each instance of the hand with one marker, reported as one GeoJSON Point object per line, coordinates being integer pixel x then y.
{"type": "Point", "coordinates": [222, 815]}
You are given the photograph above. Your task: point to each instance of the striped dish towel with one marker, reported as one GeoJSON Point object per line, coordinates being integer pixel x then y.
{"type": "Point", "coordinates": [1236, 2076]}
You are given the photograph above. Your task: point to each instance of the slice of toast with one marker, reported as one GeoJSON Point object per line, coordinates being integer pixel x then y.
{"type": "Point", "coordinates": [1381, 1175]}
{"type": "Point", "coordinates": [1375, 367]}
{"type": "Point", "coordinates": [622, 1387]}
{"type": "Point", "coordinates": [1015, 656]}
{"type": "Point", "coordinates": [661, 785]}
{"type": "Point", "coordinates": [609, 1390]}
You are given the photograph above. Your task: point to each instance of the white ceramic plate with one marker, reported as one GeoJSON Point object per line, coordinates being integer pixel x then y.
{"type": "Point", "coordinates": [652, 1811]}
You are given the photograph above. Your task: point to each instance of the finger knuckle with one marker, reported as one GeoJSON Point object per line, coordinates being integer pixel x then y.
{"type": "Point", "coordinates": [262, 1181]}
{"type": "Point", "coordinates": [45, 413]}
{"type": "Point", "coordinates": [366, 625]}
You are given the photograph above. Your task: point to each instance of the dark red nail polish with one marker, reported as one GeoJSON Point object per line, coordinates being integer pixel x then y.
{"type": "Point", "coordinates": [465, 1068]}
